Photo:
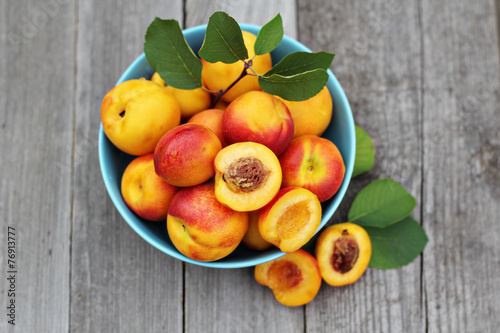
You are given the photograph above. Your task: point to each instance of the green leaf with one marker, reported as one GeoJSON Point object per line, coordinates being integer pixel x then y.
{"type": "Point", "coordinates": [365, 152]}
{"type": "Point", "coordinates": [299, 87]}
{"type": "Point", "coordinates": [300, 62]}
{"type": "Point", "coordinates": [169, 54]}
{"type": "Point", "coordinates": [223, 40]}
{"type": "Point", "coordinates": [269, 36]}
{"type": "Point", "coordinates": [397, 245]}
{"type": "Point", "coordinates": [380, 204]}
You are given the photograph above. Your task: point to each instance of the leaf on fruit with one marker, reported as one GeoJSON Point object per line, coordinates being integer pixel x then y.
{"type": "Point", "coordinates": [223, 40]}
{"type": "Point", "coordinates": [380, 204]}
{"type": "Point", "coordinates": [365, 152]}
{"type": "Point", "coordinates": [300, 62]}
{"type": "Point", "coordinates": [269, 36]}
{"type": "Point", "coordinates": [299, 87]}
{"type": "Point", "coordinates": [397, 245]}
{"type": "Point", "coordinates": [169, 54]}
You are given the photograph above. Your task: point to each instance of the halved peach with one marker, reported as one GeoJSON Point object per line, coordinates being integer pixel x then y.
{"type": "Point", "coordinates": [291, 219]}
{"type": "Point", "coordinates": [343, 252]}
{"type": "Point", "coordinates": [247, 176]}
{"type": "Point", "coordinates": [252, 239]}
{"type": "Point", "coordinates": [295, 278]}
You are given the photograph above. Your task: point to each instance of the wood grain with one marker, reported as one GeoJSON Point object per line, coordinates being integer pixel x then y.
{"type": "Point", "coordinates": [120, 283]}
{"type": "Point", "coordinates": [36, 120]}
{"type": "Point", "coordinates": [461, 122]}
{"type": "Point", "coordinates": [231, 300]}
{"type": "Point", "coordinates": [377, 46]}
{"type": "Point", "coordinates": [257, 12]}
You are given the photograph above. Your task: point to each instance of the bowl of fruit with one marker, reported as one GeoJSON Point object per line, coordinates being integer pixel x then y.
{"type": "Point", "coordinates": [219, 177]}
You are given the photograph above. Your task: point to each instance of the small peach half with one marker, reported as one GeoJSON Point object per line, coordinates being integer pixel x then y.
{"type": "Point", "coordinates": [291, 219]}
{"type": "Point", "coordinates": [252, 239]}
{"type": "Point", "coordinates": [247, 176]}
{"type": "Point", "coordinates": [295, 278]}
{"type": "Point", "coordinates": [343, 252]}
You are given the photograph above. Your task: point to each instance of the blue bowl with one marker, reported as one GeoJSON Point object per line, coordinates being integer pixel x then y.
{"type": "Point", "coordinates": [113, 162]}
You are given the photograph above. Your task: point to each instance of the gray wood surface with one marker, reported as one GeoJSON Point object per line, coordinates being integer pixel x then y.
{"type": "Point", "coordinates": [422, 77]}
{"type": "Point", "coordinates": [37, 62]}
{"type": "Point", "coordinates": [461, 140]}
{"type": "Point", "coordinates": [119, 283]}
{"type": "Point", "coordinates": [378, 64]}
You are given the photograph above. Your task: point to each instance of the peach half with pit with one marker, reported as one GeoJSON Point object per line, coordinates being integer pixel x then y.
{"type": "Point", "coordinates": [247, 176]}
{"type": "Point", "coordinates": [184, 156]}
{"type": "Point", "coordinates": [291, 219]}
{"type": "Point", "coordinates": [311, 116]}
{"type": "Point", "coordinates": [313, 163]}
{"type": "Point", "coordinates": [343, 252]}
{"type": "Point", "coordinates": [200, 227]}
{"type": "Point", "coordinates": [211, 118]}
{"type": "Point", "coordinates": [295, 278]}
{"type": "Point", "coordinates": [218, 76]}
{"type": "Point", "coordinates": [258, 117]}
{"type": "Point", "coordinates": [252, 239]}
{"type": "Point", "coordinates": [190, 101]}
{"type": "Point", "coordinates": [136, 113]}
{"type": "Point", "coordinates": [144, 192]}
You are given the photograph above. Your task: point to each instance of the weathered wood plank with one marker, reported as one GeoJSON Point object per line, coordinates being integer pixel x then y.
{"type": "Point", "coordinates": [231, 300]}
{"type": "Point", "coordinates": [461, 121]}
{"type": "Point", "coordinates": [120, 283]}
{"type": "Point", "coordinates": [377, 46]}
{"type": "Point", "coordinates": [36, 120]}
{"type": "Point", "coordinates": [253, 12]}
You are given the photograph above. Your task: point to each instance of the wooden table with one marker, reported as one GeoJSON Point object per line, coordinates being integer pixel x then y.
{"type": "Point", "coordinates": [422, 78]}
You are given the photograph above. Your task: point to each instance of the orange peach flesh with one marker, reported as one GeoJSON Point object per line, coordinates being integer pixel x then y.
{"type": "Point", "coordinates": [294, 278]}
{"type": "Point", "coordinates": [343, 252]}
{"type": "Point", "coordinates": [291, 219]}
{"type": "Point", "coordinates": [238, 185]}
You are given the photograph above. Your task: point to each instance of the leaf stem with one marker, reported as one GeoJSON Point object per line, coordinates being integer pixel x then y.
{"type": "Point", "coordinates": [220, 93]}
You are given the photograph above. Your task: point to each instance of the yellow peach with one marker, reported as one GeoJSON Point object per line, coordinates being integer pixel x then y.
{"type": "Point", "coordinates": [135, 114]}
{"type": "Point", "coordinates": [218, 76]}
{"type": "Point", "coordinates": [144, 192]}
{"type": "Point", "coordinates": [311, 116]}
